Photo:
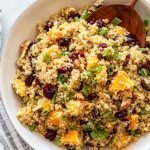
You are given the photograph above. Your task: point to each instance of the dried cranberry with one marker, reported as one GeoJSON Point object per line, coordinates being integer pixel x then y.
{"type": "Point", "coordinates": [29, 79]}
{"type": "Point", "coordinates": [49, 90]}
{"type": "Point", "coordinates": [75, 55]}
{"type": "Point", "coordinates": [73, 15]}
{"type": "Point", "coordinates": [121, 114]}
{"type": "Point", "coordinates": [83, 121]}
{"type": "Point", "coordinates": [64, 69]}
{"type": "Point", "coordinates": [103, 45]}
{"type": "Point", "coordinates": [127, 59]}
{"type": "Point", "coordinates": [51, 134]}
{"type": "Point", "coordinates": [145, 86]}
{"type": "Point", "coordinates": [48, 25]}
{"type": "Point", "coordinates": [64, 41]}
{"type": "Point", "coordinates": [92, 21]}
{"type": "Point", "coordinates": [92, 96]}
{"type": "Point", "coordinates": [100, 23]}
{"type": "Point", "coordinates": [131, 38]}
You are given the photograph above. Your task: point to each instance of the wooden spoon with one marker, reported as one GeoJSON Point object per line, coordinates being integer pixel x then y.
{"type": "Point", "coordinates": [130, 18]}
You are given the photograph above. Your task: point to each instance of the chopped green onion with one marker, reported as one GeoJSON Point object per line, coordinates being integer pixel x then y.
{"type": "Point", "coordinates": [144, 72]}
{"type": "Point", "coordinates": [85, 15]}
{"type": "Point", "coordinates": [63, 53]}
{"type": "Point", "coordinates": [108, 53]}
{"type": "Point", "coordinates": [57, 141]}
{"type": "Point", "coordinates": [135, 132]}
{"type": "Point", "coordinates": [103, 31]}
{"type": "Point", "coordinates": [116, 55]}
{"type": "Point", "coordinates": [116, 21]}
{"type": "Point", "coordinates": [85, 91]}
{"type": "Point", "coordinates": [110, 70]}
{"type": "Point", "coordinates": [64, 118]}
{"type": "Point", "coordinates": [45, 112]}
{"type": "Point", "coordinates": [77, 19]}
{"type": "Point", "coordinates": [68, 97]}
{"type": "Point", "coordinates": [54, 99]}
{"type": "Point", "coordinates": [144, 112]}
{"type": "Point", "coordinates": [100, 134]}
{"type": "Point", "coordinates": [97, 69]}
{"type": "Point", "coordinates": [46, 58]}
{"type": "Point", "coordinates": [146, 23]}
{"type": "Point", "coordinates": [32, 127]}
{"type": "Point", "coordinates": [71, 127]}
{"type": "Point", "coordinates": [62, 78]}
{"type": "Point", "coordinates": [88, 127]}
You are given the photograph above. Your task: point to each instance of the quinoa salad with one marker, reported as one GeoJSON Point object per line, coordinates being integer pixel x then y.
{"type": "Point", "coordinates": [84, 85]}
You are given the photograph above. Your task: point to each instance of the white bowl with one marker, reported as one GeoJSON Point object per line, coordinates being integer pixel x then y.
{"type": "Point", "coordinates": [24, 29]}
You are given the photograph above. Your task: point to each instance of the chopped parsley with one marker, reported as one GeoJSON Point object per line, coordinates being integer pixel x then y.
{"type": "Point", "coordinates": [46, 58]}
{"type": "Point", "coordinates": [144, 72]}
{"type": "Point", "coordinates": [85, 15]}
{"type": "Point", "coordinates": [45, 112]}
{"type": "Point", "coordinates": [110, 70]}
{"type": "Point", "coordinates": [99, 134]}
{"type": "Point", "coordinates": [62, 78]}
{"type": "Point", "coordinates": [103, 31]}
{"type": "Point", "coordinates": [85, 91]}
{"type": "Point", "coordinates": [32, 127]}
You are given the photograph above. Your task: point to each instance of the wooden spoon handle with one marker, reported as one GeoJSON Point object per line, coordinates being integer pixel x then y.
{"type": "Point", "coordinates": [132, 3]}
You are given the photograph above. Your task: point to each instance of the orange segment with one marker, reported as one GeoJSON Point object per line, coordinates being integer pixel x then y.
{"type": "Point", "coordinates": [72, 138]}
{"type": "Point", "coordinates": [121, 82]}
{"type": "Point", "coordinates": [55, 118]}
{"type": "Point", "coordinates": [134, 122]}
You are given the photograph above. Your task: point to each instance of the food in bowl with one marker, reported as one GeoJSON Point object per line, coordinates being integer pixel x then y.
{"type": "Point", "coordinates": [84, 84]}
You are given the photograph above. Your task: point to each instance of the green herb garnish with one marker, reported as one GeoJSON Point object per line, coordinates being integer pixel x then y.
{"type": "Point", "coordinates": [88, 127]}
{"type": "Point", "coordinates": [32, 127]}
{"type": "Point", "coordinates": [68, 97]}
{"type": "Point", "coordinates": [85, 91]}
{"type": "Point", "coordinates": [110, 70]}
{"type": "Point", "coordinates": [71, 127]}
{"type": "Point", "coordinates": [64, 118]}
{"type": "Point", "coordinates": [62, 78]}
{"type": "Point", "coordinates": [45, 112]}
{"type": "Point", "coordinates": [97, 69]}
{"type": "Point", "coordinates": [57, 141]}
{"type": "Point", "coordinates": [85, 15]}
{"type": "Point", "coordinates": [46, 58]}
{"type": "Point", "coordinates": [63, 53]}
{"type": "Point", "coordinates": [146, 23]}
{"type": "Point", "coordinates": [99, 134]}
{"type": "Point", "coordinates": [116, 21]}
{"type": "Point", "coordinates": [144, 112]}
{"type": "Point", "coordinates": [103, 31]}
{"type": "Point", "coordinates": [116, 55]}
{"type": "Point", "coordinates": [144, 72]}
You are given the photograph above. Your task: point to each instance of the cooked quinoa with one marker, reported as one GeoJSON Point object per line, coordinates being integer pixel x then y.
{"type": "Point", "coordinates": [84, 85]}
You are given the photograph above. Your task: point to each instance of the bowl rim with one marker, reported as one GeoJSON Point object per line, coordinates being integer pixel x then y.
{"type": "Point", "coordinates": [3, 53]}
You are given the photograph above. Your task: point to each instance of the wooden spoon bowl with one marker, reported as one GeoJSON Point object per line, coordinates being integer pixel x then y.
{"type": "Point", "coordinates": [130, 18]}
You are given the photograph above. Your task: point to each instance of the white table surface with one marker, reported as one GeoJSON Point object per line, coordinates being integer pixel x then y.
{"type": "Point", "coordinates": [11, 9]}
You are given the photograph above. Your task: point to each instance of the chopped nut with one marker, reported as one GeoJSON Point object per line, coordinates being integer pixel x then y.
{"type": "Point", "coordinates": [24, 47]}
{"type": "Point", "coordinates": [77, 63]}
{"type": "Point", "coordinates": [125, 104]}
